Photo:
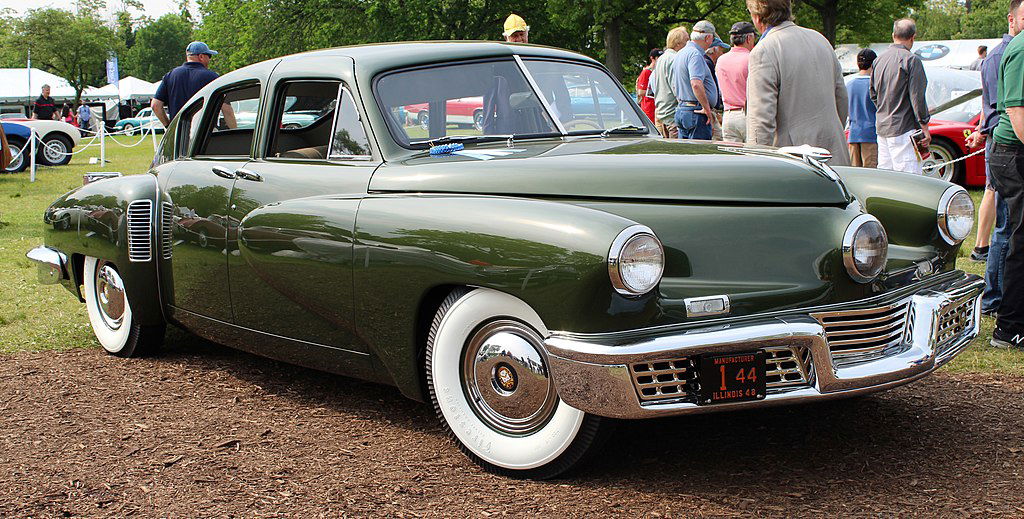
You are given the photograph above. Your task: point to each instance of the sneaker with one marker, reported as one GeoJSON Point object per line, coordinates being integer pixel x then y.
{"type": "Point", "coordinates": [1004, 339]}
{"type": "Point", "coordinates": [979, 254]}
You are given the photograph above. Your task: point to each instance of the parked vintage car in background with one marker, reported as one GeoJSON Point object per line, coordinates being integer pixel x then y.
{"type": "Point", "coordinates": [59, 140]}
{"type": "Point", "coordinates": [144, 120]}
{"type": "Point", "coordinates": [558, 267]}
{"type": "Point", "coordinates": [948, 125]}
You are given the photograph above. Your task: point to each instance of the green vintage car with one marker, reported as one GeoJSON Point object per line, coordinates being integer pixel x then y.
{"type": "Point", "coordinates": [534, 278]}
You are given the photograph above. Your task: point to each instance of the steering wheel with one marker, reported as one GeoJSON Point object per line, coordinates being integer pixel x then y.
{"type": "Point", "coordinates": [581, 122]}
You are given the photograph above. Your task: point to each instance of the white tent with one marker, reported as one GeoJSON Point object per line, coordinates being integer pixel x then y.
{"type": "Point", "coordinates": [135, 88]}
{"type": "Point", "coordinates": [15, 88]}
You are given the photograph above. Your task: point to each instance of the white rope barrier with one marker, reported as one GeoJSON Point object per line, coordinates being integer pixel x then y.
{"type": "Point", "coordinates": [944, 164]}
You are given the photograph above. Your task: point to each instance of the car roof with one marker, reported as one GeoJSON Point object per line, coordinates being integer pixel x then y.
{"type": "Point", "coordinates": [372, 59]}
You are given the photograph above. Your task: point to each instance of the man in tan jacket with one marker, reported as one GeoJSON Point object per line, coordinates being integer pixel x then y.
{"type": "Point", "coordinates": [795, 89]}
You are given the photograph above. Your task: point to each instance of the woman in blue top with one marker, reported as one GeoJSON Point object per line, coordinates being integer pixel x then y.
{"type": "Point", "coordinates": [863, 140]}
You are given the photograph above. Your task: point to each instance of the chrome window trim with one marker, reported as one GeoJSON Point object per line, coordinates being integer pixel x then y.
{"type": "Point", "coordinates": [615, 252]}
{"type": "Point", "coordinates": [847, 248]}
{"type": "Point", "coordinates": [942, 211]}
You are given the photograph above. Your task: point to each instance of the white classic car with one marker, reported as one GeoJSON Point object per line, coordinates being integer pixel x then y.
{"type": "Point", "coordinates": [58, 137]}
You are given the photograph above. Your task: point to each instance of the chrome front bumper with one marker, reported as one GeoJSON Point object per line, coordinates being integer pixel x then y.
{"type": "Point", "coordinates": [51, 265]}
{"type": "Point", "coordinates": [594, 374]}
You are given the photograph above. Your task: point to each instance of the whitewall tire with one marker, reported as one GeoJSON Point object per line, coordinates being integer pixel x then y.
{"type": "Point", "coordinates": [488, 380]}
{"type": "Point", "coordinates": [110, 313]}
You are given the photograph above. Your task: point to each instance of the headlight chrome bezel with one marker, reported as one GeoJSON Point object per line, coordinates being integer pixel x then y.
{"type": "Point", "coordinates": [848, 248]}
{"type": "Point", "coordinates": [942, 214]}
{"type": "Point", "coordinates": [615, 259]}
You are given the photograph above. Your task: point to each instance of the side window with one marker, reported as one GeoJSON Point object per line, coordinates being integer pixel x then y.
{"type": "Point", "coordinates": [230, 123]}
{"type": "Point", "coordinates": [188, 123]}
{"type": "Point", "coordinates": [349, 136]}
{"type": "Point", "coordinates": [303, 119]}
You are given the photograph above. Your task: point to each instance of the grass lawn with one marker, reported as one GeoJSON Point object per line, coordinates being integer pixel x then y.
{"type": "Point", "coordinates": [36, 317]}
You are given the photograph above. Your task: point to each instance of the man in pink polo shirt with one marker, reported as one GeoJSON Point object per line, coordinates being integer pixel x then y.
{"type": "Point", "coordinates": [732, 79]}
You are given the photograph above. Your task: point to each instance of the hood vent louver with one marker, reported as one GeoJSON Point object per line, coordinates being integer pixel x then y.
{"type": "Point", "coordinates": [166, 213]}
{"type": "Point", "coordinates": [140, 231]}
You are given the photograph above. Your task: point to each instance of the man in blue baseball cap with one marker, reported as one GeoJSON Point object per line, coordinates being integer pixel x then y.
{"type": "Point", "coordinates": [180, 84]}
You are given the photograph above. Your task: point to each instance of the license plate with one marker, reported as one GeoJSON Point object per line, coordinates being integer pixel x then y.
{"type": "Point", "coordinates": [732, 378]}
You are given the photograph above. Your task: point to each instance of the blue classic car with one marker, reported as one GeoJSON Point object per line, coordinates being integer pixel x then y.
{"type": "Point", "coordinates": [144, 120]}
{"type": "Point", "coordinates": [17, 136]}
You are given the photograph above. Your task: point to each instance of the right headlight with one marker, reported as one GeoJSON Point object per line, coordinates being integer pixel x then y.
{"type": "Point", "coordinates": [636, 261]}
{"type": "Point", "coordinates": [956, 215]}
{"type": "Point", "coordinates": [865, 248]}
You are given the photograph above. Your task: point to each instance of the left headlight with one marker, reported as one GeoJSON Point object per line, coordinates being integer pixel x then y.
{"type": "Point", "coordinates": [636, 261]}
{"type": "Point", "coordinates": [865, 248]}
{"type": "Point", "coordinates": [956, 215]}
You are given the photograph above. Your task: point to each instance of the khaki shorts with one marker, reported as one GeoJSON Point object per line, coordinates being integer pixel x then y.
{"type": "Point", "coordinates": [667, 130]}
{"type": "Point", "coordinates": [864, 154]}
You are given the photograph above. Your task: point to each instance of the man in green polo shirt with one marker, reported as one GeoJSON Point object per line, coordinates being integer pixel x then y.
{"type": "Point", "coordinates": [1007, 168]}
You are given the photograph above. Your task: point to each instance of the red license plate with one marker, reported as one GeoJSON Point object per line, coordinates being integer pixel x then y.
{"type": "Point", "coordinates": [736, 377]}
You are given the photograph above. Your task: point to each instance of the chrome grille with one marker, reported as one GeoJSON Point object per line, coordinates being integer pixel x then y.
{"type": "Point", "coordinates": [788, 366]}
{"type": "Point", "coordinates": [166, 213]}
{"type": "Point", "coordinates": [955, 320]}
{"type": "Point", "coordinates": [864, 334]}
{"type": "Point", "coordinates": [658, 380]}
{"type": "Point", "coordinates": [140, 230]}
{"type": "Point", "coordinates": [677, 378]}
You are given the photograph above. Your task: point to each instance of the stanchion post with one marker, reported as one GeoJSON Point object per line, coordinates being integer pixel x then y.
{"type": "Point", "coordinates": [32, 155]}
{"type": "Point", "coordinates": [103, 147]}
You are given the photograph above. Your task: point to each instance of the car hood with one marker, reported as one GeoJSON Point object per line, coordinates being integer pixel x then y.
{"type": "Point", "coordinates": [615, 168]}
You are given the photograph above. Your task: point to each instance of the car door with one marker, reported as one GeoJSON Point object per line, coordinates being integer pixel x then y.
{"type": "Point", "coordinates": [290, 270]}
{"type": "Point", "coordinates": [200, 191]}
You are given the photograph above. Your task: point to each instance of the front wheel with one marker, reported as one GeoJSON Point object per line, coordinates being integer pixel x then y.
{"type": "Point", "coordinates": [129, 129]}
{"type": "Point", "coordinates": [56, 150]}
{"type": "Point", "coordinates": [488, 379]}
{"type": "Point", "coordinates": [110, 313]}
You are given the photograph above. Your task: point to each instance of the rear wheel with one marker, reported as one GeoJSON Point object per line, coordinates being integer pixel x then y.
{"type": "Point", "coordinates": [129, 129]}
{"type": "Point", "coordinates": [56, 150]}
{"type": "Point", "coordinates": [943, 152]}
{"type": "Point", "coordinates": [110, 313]}
{"type": "Point", "coordinates": [488, 378]}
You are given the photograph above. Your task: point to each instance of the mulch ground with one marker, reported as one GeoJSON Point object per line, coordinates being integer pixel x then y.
{"type": "Point", "coordinates": [206, 431]}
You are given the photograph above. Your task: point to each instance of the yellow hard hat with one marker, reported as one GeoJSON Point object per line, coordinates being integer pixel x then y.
{"type": "Point", "coordinates": [515, 23]}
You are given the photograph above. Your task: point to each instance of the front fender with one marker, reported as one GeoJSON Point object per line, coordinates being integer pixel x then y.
{"type": "Point", "coordinates": [93, 221]}
{"type": "Point", "coordinates": [551, 255]}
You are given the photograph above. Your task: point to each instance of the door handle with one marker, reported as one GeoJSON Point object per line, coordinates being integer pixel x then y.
{"type": "Point", "coordinates": [223, 172]}
{"type": "Point", "coordinates": [248, 175]}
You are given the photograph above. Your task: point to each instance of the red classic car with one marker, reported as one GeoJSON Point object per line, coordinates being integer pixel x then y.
{"type": "Point", "coordinates": [949, 123]}
{"type": "Point", "coordinates": [462, 111]}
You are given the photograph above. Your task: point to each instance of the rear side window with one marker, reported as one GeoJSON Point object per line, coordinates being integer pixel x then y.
{"type": "Point", "coordinates": [188, 123]}
{"type": "Point", "coordinates": [230, 123]}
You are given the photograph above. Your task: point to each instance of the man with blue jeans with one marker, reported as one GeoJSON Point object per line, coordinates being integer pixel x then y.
{"type": "Point", "coordinates": [694, 84]}
{"type": "Point", "coordinates": [993, 295]}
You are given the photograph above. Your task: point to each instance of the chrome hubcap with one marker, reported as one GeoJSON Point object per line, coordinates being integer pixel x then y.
{"type": "Point", "coordinates": [506, 379]}
{"type": "Point", "coordinates": [54, 150]}
{"type": "Point", "coordinates": [110, 296]}
{"type": "Point", "coordinates": [938, 156]}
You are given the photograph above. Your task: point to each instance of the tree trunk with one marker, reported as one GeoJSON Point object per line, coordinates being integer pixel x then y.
{"type": "Point", "coordinates": [829, 19]}
{"type": "Point", "coordinates": [613, 47]}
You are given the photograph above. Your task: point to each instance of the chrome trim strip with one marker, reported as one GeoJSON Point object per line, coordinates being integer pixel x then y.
{"type": "Point", "coordinates": [596, 378]}
{"type": "Point", "coordinates": [51, 265]}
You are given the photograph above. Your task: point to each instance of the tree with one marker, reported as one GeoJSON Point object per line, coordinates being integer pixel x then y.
{"type": "Point", "coordinates": [985, 19]}
{"type": "Point", "coordinates": [854, 21]}
{"type": "Point", "coordinates": [159, 47]}
{"type": "Point", "coordinates": [74, 46]}
{"type": "Point", "coordinates": [940, 20]}
{"type": "Point", "coordinates": [12, 54]}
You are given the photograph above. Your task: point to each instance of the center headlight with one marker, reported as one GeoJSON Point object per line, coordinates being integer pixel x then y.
{"type": "Point", "coordinates": [636, 261]}
{"type": "Point", "coordinates": [865, 248]}
{"type": "Point", "coordinates": [956, 215]}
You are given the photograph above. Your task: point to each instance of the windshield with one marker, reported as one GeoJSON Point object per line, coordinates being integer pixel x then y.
{"type": "Point", "coordinates": [495, 98]}
{"type": "Point", "coordinates": [584, 99]}
{"type": "Point", "coordinates": [963, 109]}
